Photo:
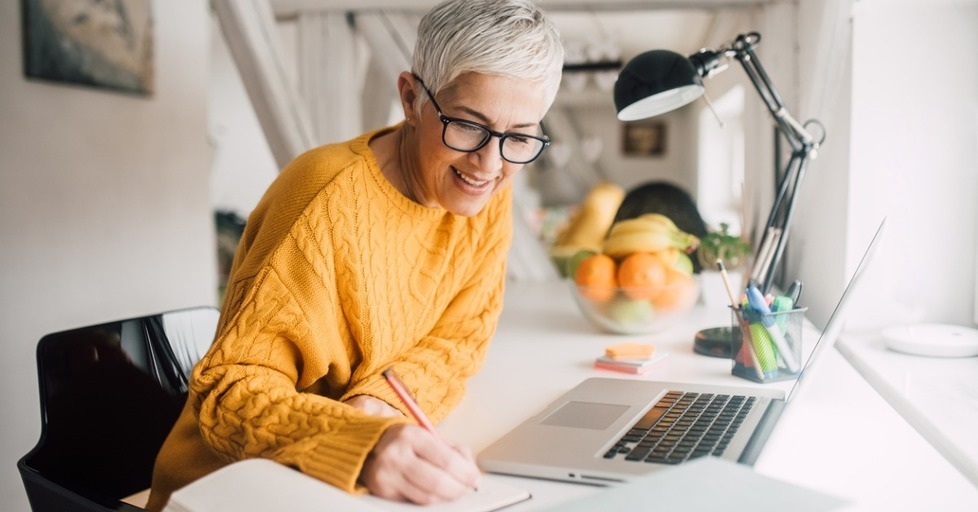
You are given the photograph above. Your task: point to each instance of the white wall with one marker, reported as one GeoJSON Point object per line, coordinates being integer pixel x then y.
{"type": "Point", "coordinates": [915, 154]}
{"type": "Point", "coordinates": [817, 254]}
{"type": "Point", "coordinates": [912, 156]}
{"type": "Point", "coordinates": [104, 207]}
{"type": "Point", "coordinates": [676, 164]}
{"type": "Point", "coordinates": [243, 163]}
{"type": "Point", "coordinates": [598, 119]}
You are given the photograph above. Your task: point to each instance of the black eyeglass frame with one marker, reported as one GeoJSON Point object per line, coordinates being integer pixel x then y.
{"type": "Point", "coordinates": [446, 120]}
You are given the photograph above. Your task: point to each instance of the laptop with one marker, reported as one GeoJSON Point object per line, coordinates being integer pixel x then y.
{"type": "Point", "coordinates": [606, 431]}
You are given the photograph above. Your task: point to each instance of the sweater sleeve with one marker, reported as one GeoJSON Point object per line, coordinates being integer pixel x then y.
{"type": "Point", "coordinates": [246, 392]}
{"type": "Point", "coordinates": [437, 367]}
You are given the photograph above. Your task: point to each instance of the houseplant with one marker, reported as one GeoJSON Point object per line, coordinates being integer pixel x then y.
{"type": "Point", "coordinates": [732, 249]}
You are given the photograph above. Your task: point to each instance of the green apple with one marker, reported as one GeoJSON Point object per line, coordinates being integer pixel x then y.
{"type": "Point", "coordinates": [684, 263]}
{"type": "Point", "coordinates": [631, 312]}
{"type": "Point", "coordinates": [570, 266]}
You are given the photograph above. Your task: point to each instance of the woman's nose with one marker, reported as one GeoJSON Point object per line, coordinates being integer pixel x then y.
{"type": "Point", "coordinates": [489, 157]}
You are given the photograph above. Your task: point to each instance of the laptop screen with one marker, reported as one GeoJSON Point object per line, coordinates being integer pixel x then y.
{"type": "Point", "coordinates": [834, 326]}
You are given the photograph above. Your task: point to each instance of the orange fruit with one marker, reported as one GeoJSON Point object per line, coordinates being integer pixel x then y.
{"type": "Point", "coordinates": [673, 257]}
{"type": "Point", "coordinates": [576, 259]}
{"type": "Point", "coordinates": [669, 256]}
{"type": "Point", "coordinates": [641, 275]}
{"type": "Point", "coordinates": [678, 290]}
{"type": "Point", "coordinates": [595, 278]}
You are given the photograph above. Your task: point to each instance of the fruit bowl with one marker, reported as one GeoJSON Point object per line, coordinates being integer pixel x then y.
{"type": "Point", "coordinates": [636, 311]}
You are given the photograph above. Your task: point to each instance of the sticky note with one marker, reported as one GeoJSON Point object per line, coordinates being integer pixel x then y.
{"type": "Point", "coordinates": [630, 350]}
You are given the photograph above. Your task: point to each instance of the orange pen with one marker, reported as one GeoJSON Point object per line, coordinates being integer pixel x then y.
{"type": "Point", "coordinates": [402, 392]}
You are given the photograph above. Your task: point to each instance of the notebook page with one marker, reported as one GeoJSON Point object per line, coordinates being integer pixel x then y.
{"type": "Point", "coordinates": [260, 485]}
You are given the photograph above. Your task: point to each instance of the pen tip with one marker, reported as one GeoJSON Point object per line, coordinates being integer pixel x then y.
{"type": "Point", "coordinates": [720, 264]}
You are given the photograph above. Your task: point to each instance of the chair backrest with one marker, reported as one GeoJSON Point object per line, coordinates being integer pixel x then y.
{"type": "Point", "coordinates": [110, 394]}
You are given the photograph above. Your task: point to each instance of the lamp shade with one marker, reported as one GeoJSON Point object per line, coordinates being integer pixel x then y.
{"type": "Point", "coordinates": [655, 82]}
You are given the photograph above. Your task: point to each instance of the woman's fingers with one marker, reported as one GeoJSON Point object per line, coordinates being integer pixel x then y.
{"type": "Point", "coordinates": [411, 464]}
{"type": "Point", "coordinates": [454, 459]}
{"type": "Point", "coordinates": [465, 452]}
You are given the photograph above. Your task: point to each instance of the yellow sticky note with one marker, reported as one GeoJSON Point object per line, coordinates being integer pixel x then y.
{"type": "Point", "coordinates": [630, 350]}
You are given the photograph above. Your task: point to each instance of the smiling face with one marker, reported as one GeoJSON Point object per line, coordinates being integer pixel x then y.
{"type": "Point", "coordinates": [435, 175]}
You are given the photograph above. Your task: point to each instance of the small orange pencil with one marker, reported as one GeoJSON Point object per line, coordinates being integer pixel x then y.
{"type": "Point", "coordinates": [402, 392]}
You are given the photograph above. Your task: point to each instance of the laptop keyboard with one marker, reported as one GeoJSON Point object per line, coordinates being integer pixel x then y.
{"type": "Point", "coordinates": [684, 426]}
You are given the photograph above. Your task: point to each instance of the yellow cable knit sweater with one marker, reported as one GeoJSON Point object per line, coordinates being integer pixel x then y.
{"type": "Point", "coordinates": [338, 277]}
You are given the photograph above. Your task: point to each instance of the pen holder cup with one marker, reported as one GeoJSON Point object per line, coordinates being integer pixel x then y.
{"type": "Point", "coordinates": [769, 346]}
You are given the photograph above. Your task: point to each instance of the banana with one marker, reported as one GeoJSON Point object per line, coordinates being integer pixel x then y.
{"type": "Point", "coordinates": [637, 225]}
{"type": "Point", "coordinates": [589, 224]}
{"type": "Point", "coordinates": [658, 218]}
{"type": "Point", "coordinates": [645, 222]}
{"type": "Point", "coordinates": [629, 226]}
{"type": "Point", "coordinates": [621, 245]}
{"type": "Point", "coordinates": [650, 232]}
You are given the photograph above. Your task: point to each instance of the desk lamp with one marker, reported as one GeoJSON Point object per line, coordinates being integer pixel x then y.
{"type": "Point", "coordinates": [659, 81]}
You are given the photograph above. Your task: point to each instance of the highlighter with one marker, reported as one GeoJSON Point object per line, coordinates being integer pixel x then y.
{"type": "Point", "coordinates": [781, 306]}
{"type": "Point", "coordinates": [757, 303]}
{"type": "Point", "coordinates": [766, 356]}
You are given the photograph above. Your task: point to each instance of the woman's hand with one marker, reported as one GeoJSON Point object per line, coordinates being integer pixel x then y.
{"type": "Point", "coordinates": [410, 464]}
{"type": "Point", "coordinates": [373, 406]}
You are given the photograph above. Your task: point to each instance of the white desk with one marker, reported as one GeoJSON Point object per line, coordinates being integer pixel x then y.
{"type": "Point", "coordinates": [937, 396]}
{"type": "Point", "coordinates": [543, 347]}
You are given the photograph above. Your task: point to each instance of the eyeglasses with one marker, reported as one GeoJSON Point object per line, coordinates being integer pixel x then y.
{"type": "Point", "coordinates": [467, 136]}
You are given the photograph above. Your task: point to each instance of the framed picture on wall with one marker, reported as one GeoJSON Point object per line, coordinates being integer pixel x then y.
{"type": "Point", "coordinates": [643, 139]}
{"type": "Point", "coordinates": [90, 42]}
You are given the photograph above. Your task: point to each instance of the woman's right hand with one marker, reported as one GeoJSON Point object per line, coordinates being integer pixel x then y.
{"type": "Point", "coordinates": [411, 464]}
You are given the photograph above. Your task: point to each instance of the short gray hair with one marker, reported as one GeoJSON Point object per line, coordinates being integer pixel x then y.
{"type": "Point", "coordinates": [509, 38]}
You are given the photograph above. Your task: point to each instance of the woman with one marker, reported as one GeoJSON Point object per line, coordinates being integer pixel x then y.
{"type": "Point", "coordinates": [387, 251]}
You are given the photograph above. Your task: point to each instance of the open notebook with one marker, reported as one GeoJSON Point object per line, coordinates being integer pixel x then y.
{"type": "Point", "coordinates": [260, 485]}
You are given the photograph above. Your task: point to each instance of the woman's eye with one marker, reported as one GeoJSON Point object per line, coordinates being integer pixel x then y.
{"type": "Point", "coordinates": [470, 127]}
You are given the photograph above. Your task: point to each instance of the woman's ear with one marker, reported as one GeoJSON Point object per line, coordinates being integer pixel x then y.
{"type": "Point", "coordinates": [408, 93]}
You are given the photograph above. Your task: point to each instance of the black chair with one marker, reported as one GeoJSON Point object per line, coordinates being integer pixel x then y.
{"type": "Point", "coordinates": [110, 394]}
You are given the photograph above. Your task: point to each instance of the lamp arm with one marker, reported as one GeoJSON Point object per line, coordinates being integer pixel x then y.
{"type": "Point", "coordinates": [743, 50]}
{"type": "Point", "coordinates": [793, 175]}
{"type": "Point", "coordinates": [709, 62]}
{"type": "Point", "coordinates": [804, 145]}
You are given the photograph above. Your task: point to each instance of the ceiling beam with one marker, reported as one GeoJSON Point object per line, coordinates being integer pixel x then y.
{"type": "Point", "coordinates": [327, 49]}
{"type": "Point", "coordinates": [723, 28]}
{"type": "Point", "coordinates": [289, 8]}
{"type": "Point", "coordinates": [252, 38]}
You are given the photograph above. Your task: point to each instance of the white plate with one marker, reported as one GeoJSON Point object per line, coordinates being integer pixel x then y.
{"type": "Point", "coordinates": [935, 340]}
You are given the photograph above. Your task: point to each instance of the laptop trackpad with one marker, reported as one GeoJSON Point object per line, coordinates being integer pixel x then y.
{"type": "Point", "coordinates": [588, 415]}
